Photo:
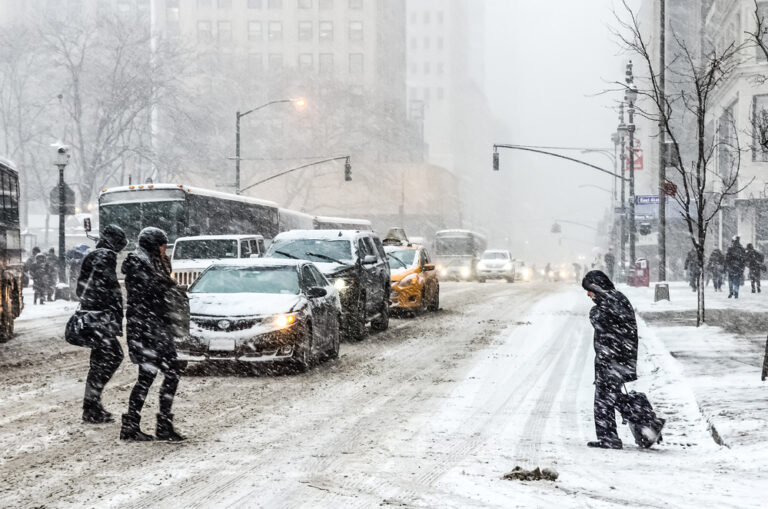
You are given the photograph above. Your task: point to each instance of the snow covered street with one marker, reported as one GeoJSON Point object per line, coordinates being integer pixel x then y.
{"type": "Point", "coordinates": [431, 413]}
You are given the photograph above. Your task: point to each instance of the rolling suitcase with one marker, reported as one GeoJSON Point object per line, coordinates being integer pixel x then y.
{"type": "Point", "coordinates": [637, 412]}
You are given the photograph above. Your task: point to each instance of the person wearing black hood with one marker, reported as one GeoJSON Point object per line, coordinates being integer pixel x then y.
{"type": "Point", "coordinates": [98, 290]}
{"type": "Point", "coordinates": [615, 341]}
{"type": "Point", "coordinates": [754, 260]}
{"type": "Point", "coordinates": [150, 332]}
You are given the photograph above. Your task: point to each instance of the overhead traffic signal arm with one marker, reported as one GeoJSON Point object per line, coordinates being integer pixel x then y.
{"type": "Point", "coordinates": [553, 154]}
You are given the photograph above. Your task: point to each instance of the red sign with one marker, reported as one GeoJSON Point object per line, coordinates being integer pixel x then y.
{"type": "Point", "coordinates": [638, 160]}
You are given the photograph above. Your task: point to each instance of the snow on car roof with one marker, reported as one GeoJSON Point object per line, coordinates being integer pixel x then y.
{"type": "Point", "coordinates": [259, 262]}
{"type": "Point", "coordinates": [217, 237]}
{"type": "Point", "coordinates": [343, 220]}
{"type": "Point", "coordinates": [321, 234]}
{"type": "Point", "coordinates": [496, 251]}
{"type": "Point", "coordinates": [389, 249]}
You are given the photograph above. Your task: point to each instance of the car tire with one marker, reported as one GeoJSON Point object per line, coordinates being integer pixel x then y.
{"type": "Point", "coordinates": [355, 321]}
{"type": "Point", "coordinates": [302, 356]}
{"type": "Point", "coordinates": [381, 322]}
{"type": "Point", "coordinates": [333, 351]}
{"type": "Point", "coordinates": [434, 305]}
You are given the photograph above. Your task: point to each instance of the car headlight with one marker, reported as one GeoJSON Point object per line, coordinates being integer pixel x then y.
{"type": "Point", "coordinates": [563, 274]}
{"type": "Point", "coordinates": [409, 280]}
{"type": "Point", "coordinates": [507, 266]}
{"type": "Point", "coordinates": [340, 284]}
{"type": "Point", "coordinates": [284, 321]}
{"type": "Point", "coordinates": [465, 272]}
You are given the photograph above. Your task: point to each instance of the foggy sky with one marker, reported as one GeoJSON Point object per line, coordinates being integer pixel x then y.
{"type": "Point", "coordinates": [545, 61]}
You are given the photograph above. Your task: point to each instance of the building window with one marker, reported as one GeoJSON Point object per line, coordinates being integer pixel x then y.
{"type": "Point", "coordinates": [727, 142]}
{"type": "Point", "coordinates": [356, 63]}
{"type": "Point", "coordinates": [305, 4]}
{"type": "Point", "coordinates": [275, 4]}
{"type": "Point", "coordinates": [325, 63]}
{"type": "Point", "coordinates": [760, 128]}
{"type": "Point", "coordinates": [355, 4]}
{"type": "Point", "coordinates": [204, 4]}
{"type": "Point", "coordinates": [426, 18]}
{"type": "Point", "coordinates": [255, 62]}
{"type": "Point", "coordinates": [426, 94]}
{"type": "Point", "coordinates": [305, 30]}
{"type": "Point", "coordinates": [414, 68]}
{"type": "Point", "coordinates": [440, 93]}
{"type": "Point", "coordinates": [356, 31]}
{"type": "Point", "coordinates": [414, 17]}
{"type": "Point", "coordinates": [440, 17]}
{"type": "Point", "coordinates": [254, 4]}
{"type": "Point", "coordinates": [427, 68]}
{"type": "Point", "coordinates": [275, 32]}
{"type": "Point", "coordinates": [762, 11]}
{"type": "Point", "coordinates": [255, 31]}
{"type": "Point", "coordinates": [305, 62]}
{"type": "Point", "coordinates": [426, 43]}
{"type": "Point", "coordinates": [325, 4]}
{"type": "Point", "coordinates": [275, 62]}
{"type": "Point", "coordinates": [326, 31]}
{"type": "Point", "coordinates": [224, 4]}
{"type": "Point", "coordinates": [224, 31]}
{"type": "Point", "coordinates": [414, 43]}
{"type": "Point", "coordinates": [440, 43]}
{"type": "Point", "coordinates": [204, 33]}
{"type": "Point", "coordinates": [440, 68]}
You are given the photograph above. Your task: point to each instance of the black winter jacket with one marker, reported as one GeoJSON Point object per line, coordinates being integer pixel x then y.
{"type": "Point", "coordinates": [735, 260]}
{"type": "Point", "coordinates": [615, 338]}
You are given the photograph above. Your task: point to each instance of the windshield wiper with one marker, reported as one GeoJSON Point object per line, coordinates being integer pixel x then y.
{"type": "Point", "coordinates": [323, 257]}
{"type": "Point", "coordinates": [287, 255]}
{"type": "Point", "coordinates": [398, 260]}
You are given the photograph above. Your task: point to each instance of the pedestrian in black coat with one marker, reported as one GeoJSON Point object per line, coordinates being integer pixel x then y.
{"type": "Point", "coordinates": [735, 261]}
{"type": "Point", "coordinates": [693, 269]}
{"type": "Point", "coordinates": [152, 296]}
{"type": "Point", "coordinates": [615, 341]}
{"type": "Point", "coordinates": [98, 289]}
{"type": "Point", "coordinates": [51, 275]}
{"type": "Point", "coordinates": [754, 260]}
{"type": "Point", "coordinates": [39, 274]}
{"type": "Point", "coordinates": [29, 264]}
{"type": "Point", "coordinates": [716, 268]}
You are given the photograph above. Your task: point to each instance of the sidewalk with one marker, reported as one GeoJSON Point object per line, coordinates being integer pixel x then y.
{"type": "Point", "coordinates": [720, 361]}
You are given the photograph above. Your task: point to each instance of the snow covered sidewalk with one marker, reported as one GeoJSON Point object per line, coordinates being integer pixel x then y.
{"type": "Point", "coordinates": [721, 361]}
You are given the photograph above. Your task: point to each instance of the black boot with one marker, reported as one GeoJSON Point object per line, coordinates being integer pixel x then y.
{"type": "Point", "coordinates": [606, 444]}
{"type": "Point", "coordinates": [94, 413]}
{"type": "Point", "coordinates": [132, 431]}
{"type": "Point", "coordinates": [165, 429]}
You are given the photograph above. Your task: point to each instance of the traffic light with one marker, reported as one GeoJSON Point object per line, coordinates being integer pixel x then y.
{"type": "Point", "coordinates": [495, 161]}
{"type": "Point", "coordinates": [347, 171]}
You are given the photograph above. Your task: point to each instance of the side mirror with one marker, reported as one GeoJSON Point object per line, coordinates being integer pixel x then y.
{"type": "Point", "coordinates": [87, 224]}
{"type": "Point", "coordinates": [428, 267]}
{"type": "Point", "coordinates": [369, 260]}
{"type": "Point", "coordinates": [316, 292]}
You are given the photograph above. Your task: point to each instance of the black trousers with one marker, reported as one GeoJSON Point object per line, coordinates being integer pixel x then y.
{"type": "Point", "coordinates": [105, 359]}
{"type": "Point", "coordinates": [607, 396]}
{"type": "Point", "coordinates": [147, 374]}
{"type": "Point", "coordinates": [754, 278]}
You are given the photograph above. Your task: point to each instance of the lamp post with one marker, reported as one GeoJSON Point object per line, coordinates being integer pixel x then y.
{"type": "Point", "coordinates": [299, 103]}
{"type": "Point", "coordinates": [631, 94]}
{"type": "Point", "coordinates": [62, 159]}
{"type": "Point", "coordinates": [622, 132]}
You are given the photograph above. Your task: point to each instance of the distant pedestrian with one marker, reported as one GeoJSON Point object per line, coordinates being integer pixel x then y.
{"type": "Point", "coordinates": [735, 261]}
{"type": "Point", "coordinates": [693, 269]}
{"type": "Point", "coordinates": [716, 269]}
{"type": "Point", "coordinates": [755, 260]}
{"type": "Point", "coordinates": [74, 258]}
{"type": "Point", "coordinates": [51, 275]}
{"type": "Point", "coordinates": [28, 265]}
{"type": "Point", "coordinates": [152, 295]}
{"type": "Point", "coordinates": [98, 290]}
{"type": "Point", "coordinates": [615, 342]}
{"type": "Point", "coordinates": [610, 262]}
{"type": "Point", "coordinates": [39, 274]}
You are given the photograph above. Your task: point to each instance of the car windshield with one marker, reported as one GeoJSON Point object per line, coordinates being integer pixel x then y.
{"type": "Point", "coordinates": [495, 256]}
{"type": "Point", "coordinates": [401, 258]}
{"type": "Point", "coordinates": [278, 280]}
{"type": "Point", "coordinates": [205, 249]}
{"type": "Point", "coordinates": [316, 250]}
{"type": "Point", "coordinates": [454, 246]}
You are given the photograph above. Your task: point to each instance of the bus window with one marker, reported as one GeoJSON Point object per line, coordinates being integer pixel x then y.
{"type": "Point", "coordinates": [245, 249]}
{"type": "Point", "coordinates": [4, 177]}
{"type": "Point", "coordinates": [14, 195]}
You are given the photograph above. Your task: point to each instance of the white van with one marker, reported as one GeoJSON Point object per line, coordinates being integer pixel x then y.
{"type": "Point", "coordinates": [192, 255]}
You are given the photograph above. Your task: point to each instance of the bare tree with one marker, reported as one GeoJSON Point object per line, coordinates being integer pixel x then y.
{"type": "Point", "coordinates": [698, 73]}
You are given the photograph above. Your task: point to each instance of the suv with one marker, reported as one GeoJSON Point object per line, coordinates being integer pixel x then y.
{"type": "Point", "coordinates": [496, 264]}
{"type": "Point", "coordinates": [355, 262]}
{"type": "Point", "coordinates": [192, 255]}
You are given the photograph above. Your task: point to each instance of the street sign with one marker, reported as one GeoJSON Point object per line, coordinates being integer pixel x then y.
{"type": "Point", "coordinates": [69, 200]}
{"type": "Point", "coordinates": [647, 199]}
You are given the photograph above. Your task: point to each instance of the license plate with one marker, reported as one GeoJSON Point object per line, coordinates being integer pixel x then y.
{"type": "Point", "coordinates": [222, 345]}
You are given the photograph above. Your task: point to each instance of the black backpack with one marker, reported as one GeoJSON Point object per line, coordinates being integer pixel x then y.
{"type": "Point", "coordinates": [637, 412]}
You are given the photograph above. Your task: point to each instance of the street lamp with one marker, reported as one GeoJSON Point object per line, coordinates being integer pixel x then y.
{"type": "Point", "coordinates": [300, 103]}
{"type": "Point", "coordinates": [631, 96]}
{"type": "Point", "coordinates": [61, 161]}
{"type": "Point", "coordinates": [621, 132]}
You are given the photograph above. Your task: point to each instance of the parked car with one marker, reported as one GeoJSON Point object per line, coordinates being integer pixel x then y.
{"type": "Point", "coordinates": [496, 264]}
{"type": "Point", "coordinates": [355, 262]}
{"type": "Point", "coordinates": [262, 310]}
{"type": "Point", "coordinates": [415, 284]}
{"type": "Point", "coordinates": [192, 255]}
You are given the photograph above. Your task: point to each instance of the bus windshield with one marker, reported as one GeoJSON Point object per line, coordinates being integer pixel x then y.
{"type": "Point", "coordinates": [169, 216]}
{"type": "Point", "coordinates": [454, 246]}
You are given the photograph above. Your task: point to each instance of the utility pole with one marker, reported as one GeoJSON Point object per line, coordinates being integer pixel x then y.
{"type": "Point", "coordinates": [662, 147]}
{"type": "Point", "coordinates": [237, 153]}
{"type": "Point", "coordinates": [622, 131]}
{"type": "Point", "coordinates": [631, 98]}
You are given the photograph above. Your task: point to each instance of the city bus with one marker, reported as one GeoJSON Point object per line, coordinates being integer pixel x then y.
{"type": "Point", "coordinates": [11, 265]}
{"type": "Point", "coordinates": [457, 253]}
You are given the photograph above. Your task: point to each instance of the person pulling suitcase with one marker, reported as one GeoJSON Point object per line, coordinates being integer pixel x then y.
{"type": "Point", "coordinates": [615, 342]}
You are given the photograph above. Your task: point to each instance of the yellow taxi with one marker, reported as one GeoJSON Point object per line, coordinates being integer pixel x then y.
{"type": "Point", "coordinates": [414, 282]}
